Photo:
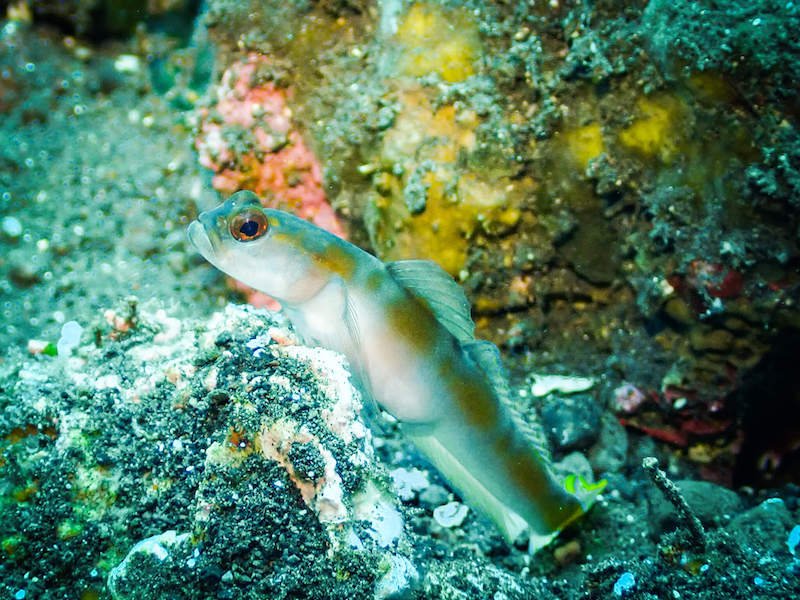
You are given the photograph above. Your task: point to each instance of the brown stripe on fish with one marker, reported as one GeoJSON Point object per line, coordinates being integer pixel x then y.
{"type": "Point", "coordinates": [471, 392]}
{"type": "Point", "coordinates": [325, 249]}
{"type": "Point", "coordinates": [555, 508]}
{"type": "Point", "coordinates": [375, 279]}
{"type": "Point", "coordinates": [338, 260]}
{"type": "Point", "coordinates": [413, 321]}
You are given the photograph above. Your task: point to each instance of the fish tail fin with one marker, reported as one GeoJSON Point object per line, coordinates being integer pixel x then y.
{"type": "Point", "coordinates": [585, 492]}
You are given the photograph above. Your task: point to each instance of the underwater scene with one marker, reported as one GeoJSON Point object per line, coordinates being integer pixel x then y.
{"type": "Point", "coordinates": [399, 299]}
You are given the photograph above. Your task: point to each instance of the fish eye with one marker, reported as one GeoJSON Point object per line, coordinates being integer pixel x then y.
{"type": "Point", "coordinates": [248, 225]}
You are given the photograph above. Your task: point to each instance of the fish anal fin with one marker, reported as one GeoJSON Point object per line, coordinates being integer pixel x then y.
{"type": "Point", "coordinates": [432, 286]}
{"type": "Point", "coordinates": [477, 496]}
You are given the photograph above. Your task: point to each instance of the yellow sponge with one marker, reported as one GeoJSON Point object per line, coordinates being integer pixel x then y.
{"type": "Point", "coordinates": [438, 41]}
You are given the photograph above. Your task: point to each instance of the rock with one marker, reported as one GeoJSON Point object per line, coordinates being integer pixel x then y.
{"type": "Point", "coordinates": [611, 449]}
{"type": "Point", "coordinates": [591, 249]}
{"type": "Point", "coordinates": [563, 384]}
{"type": "Point", "coordinates": [409, 482]}
{"type": "Point", "coordinates": [793, 541]}
{"type": "Point", "coordinates": [568, 553]}
{"type": "Point", "coordinates": [574, 463]}
{"type": "Point", "coordinates": [70, 338]}
{"type": "Point", "coordinates": [168, 548]}
{"type": "Point", "coordinates": [710, 502]}
{"type": "Point", "coordinates": [715, 340]}
{"type": "Point", "coordinates": [256, 448]}
{"type": "Point", "coordinates": [433, 496]}
{"type": "Point", "coordinates": [11, 227]}
{"type": "Point", "coordinates": [451, 514]}
{"type": "Point", "coordinates": [681, 312]}
{"type": "Point", "coordinates": [765, 526]}
{"type": "Point", "coordinates": [572, 422]}
{"type": "Point", "coordinates": [401, 576]}
{"type": "Point", "coordinates": [480, 579]}
{"type": "Point", "coordinates": [625, 585]}
{"type": "Point", "coordinates": [23, 272]}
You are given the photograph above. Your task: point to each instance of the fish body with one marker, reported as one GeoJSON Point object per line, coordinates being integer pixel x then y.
{"type": "Point", "coordinates": [406, 330]}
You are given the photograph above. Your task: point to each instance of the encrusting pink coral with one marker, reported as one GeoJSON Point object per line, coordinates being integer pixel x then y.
{"type": "Point", "coordinates": [248, 139]}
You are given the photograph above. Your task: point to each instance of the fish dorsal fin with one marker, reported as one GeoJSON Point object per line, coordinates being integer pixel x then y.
{"type": "Point", "coordinates": [487, 357]}
{"type": "Point", "coordinates": [430, 284]}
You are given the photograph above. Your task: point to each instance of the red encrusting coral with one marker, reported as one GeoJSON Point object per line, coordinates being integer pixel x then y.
{"type": "Point", "coordinates": [247, 137]}
{"type": "Point", "coordinates": [716, 279]}
{"type": "Point", "coordinates": [701, 426]}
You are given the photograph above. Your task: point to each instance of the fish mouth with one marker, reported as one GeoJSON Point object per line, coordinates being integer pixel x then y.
{"type": "Point", "coordinates": [199, 238]}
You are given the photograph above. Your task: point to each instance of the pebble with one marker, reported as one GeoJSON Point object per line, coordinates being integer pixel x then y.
{"type": "Point", "coordinates": [70, 338]}
{"type": "Point", "coordinates": [766, 525]}
{"type": "Point", "coordinates": [625, 584]}
{"type": "Point", "coordinates": [11, 227]}
{"type": "Point", "coordinates": [547, 384]}
{"type": "Point", "coordinates": [793, 541]}
{"type": "Point", "coordinates": [160, 547]}
{"type": "Point", "coordinates": [451, 514]}
{"type": "Point", "coordinates": [567, 553]}
{"type": "Point", "coordinates": [398, 580]}
{"type": "Point", "coordinates": [127, 63]}
{"type": "Point", "coordinates": [23, 273]}
{"type": "Point", "coordinates": [432, 496]}
{"type": "Point", "coordinates": [708, 501]}
{"type": "Point", "coordinates": [408, 482]}
{"type": "Point", "coordinates": [611, 450]}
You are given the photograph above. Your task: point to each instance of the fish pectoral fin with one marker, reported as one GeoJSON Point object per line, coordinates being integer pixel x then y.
{"type": "Point", "coordinates": [358, 359]}
{"type": "Point", "coordinates": [350, 317]}
{"type": "Point", "coordinates": [323, 316]}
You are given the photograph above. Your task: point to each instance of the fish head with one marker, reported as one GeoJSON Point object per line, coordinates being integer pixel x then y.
{"type": "Point", "coordinates": [258, 246]}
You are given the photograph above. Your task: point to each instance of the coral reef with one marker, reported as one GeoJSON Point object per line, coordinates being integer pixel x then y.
{"type": "Point", "coordinates": [248, 444]}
